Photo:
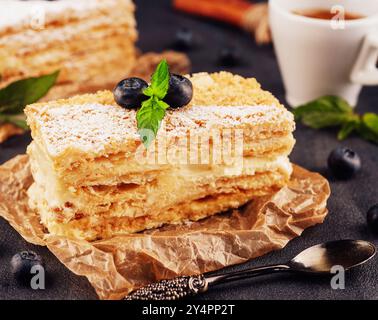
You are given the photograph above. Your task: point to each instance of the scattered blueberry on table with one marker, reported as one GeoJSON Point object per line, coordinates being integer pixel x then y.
{"type": "Point", "coordinates": [229, 56]}
{"type": "Point", "coordinates": [22, 264]}
{"type": "Point", "coordinates": [344, 163]}
{"type": "Point", "coordinates": [183, 39]}
{"type": "Point", "coordinates": [372, 218]}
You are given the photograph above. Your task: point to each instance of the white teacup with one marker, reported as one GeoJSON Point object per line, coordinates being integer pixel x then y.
{"type": "Point", "coordinates": [325, 57]}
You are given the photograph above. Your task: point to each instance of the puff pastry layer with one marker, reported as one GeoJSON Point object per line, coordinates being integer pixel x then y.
{"type": "Point", "coordinates": [94, 178]}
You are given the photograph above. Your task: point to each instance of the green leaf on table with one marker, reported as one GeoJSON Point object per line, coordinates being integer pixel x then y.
{"type": "Point", "coordinates": [369, 127]}
{"type": "Point", "coordinates": [331, 111]}
{"type": "Point", "coordinates": [348, 128]}
{"type": "Point", "coordinates": [19, 94]}
{"type": "Point", "coordinates": [328, 111]}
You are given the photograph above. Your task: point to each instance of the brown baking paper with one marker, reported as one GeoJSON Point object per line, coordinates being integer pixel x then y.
{"type": "Point", "coordinates": [119, 265]}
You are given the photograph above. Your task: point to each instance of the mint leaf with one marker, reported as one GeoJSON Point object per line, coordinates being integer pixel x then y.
{"type": "Point", "coordinates": [162, 104]}
{"type": "Point", "coordinates": [17, 95]}
{"type": "Point", "coordinates": [149, 92]}
{"type": "Point", "coordinates": [331, 111]}
{"type": "Point", "coordinates": [327, 104]}
{"type": "Point", "coordinates": [149, 118]}
{"type": "Point", "coordinates": [319, 120]}
{"type": "Point", "coordinates": [152, 112]}
{"type": "Point", "coordinates": [160, 80]}
{"type": "Point", "coordinates": [328, 111]}
{"type": "Point", "coordinates": [369, 127]}
{"type": "Point", "coordinates": [348, 128]}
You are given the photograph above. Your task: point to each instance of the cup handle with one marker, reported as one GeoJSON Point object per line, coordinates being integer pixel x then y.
{"type": "Point", "coordinates": [365, 69]}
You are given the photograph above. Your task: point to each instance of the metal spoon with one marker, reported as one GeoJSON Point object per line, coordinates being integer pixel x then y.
{"type": "Point", "coordinates": [318, 259]}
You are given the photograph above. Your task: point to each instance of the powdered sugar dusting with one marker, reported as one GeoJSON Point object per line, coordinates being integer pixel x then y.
{"type": "Point", "coordinates": [88, 127]}
{"type": "Point", "coordinates": [93, 128]}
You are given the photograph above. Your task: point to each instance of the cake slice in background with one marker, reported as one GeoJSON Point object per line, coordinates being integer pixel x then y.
{"type": "Point", "coordinates": [91, 183]}
{"type": "Point", "coordinates": [92, 43]}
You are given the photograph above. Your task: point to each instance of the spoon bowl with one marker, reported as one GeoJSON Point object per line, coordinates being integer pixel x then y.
{"type": "Point", "coordinates": [322, 257]}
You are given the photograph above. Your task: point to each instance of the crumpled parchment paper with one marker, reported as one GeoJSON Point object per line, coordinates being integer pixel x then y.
{"type": "Point", "coordinates": [119, 265]}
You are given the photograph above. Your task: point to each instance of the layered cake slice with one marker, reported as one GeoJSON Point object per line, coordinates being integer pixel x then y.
{"type": "Point", "coordinates": [90, 42]}
{"type": "Point", "coordinates": [95, 179]}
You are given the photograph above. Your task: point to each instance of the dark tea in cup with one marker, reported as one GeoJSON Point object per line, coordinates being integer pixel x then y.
{"type": "Point", "coordinates": [325, 14]}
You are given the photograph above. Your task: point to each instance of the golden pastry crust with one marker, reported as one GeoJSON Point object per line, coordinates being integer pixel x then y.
{"type": "Point", "coordinates": [102, 226]}
{"type": "Point", "coordinates": [117, 55]}
{"type": "Point", "coordinates": [90, 182]}
{"type": "Point", "coordinates": [68, 130]}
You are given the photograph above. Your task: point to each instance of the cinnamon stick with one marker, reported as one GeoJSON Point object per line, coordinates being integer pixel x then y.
{"type": "Point", "coordinates": [241, 13]}
{"type": "Point", "coordinates": [230, 11]}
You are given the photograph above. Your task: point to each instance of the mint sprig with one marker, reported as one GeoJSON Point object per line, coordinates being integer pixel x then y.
{"type": "Point", "coordinates": [368, 128]}
{"type": "Point", "coordinates": [19, 94]}
{"type": "Point", "coordinates": [331, 111]}
{"type": "Point", "coordinates": [152, 112]}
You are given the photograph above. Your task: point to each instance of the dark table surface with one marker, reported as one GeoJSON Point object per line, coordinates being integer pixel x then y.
{"type": "Point", "coordinates": [348, 204]}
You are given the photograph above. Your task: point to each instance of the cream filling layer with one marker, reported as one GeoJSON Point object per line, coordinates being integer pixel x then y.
{"type": "Point", "coordinates": [174, 185]}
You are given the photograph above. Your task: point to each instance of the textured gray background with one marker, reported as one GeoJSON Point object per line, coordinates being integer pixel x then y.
{"type": "Point", "coordinates": [348, 204]}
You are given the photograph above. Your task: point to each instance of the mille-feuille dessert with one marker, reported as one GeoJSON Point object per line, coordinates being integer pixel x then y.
{"type": "Point", "coordinates": [91, 180]}
{"type": "Point", "coordinates": [92, 43]}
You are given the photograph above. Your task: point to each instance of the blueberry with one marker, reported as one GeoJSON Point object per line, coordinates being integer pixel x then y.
{"type": "Point", "coordinates": [344, 163]}
{"type": "Point", "coordinates": [22, 263]}
{"type": "Point", "coordinates": [180, 91]}
{"type": "Point", "coordinates": [372, 218]}
{"type": "Point", "coordinates": [183, 39]}
{"type": "Point", "coordinates": [129, 93]}
{"type": "Point", "coordinates": [229, 56]}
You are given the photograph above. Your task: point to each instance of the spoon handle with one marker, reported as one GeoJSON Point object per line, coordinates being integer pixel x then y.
{"type": "Point", "coordinates": [247, 273]}
{"type": "Point", "coordinates": [172, 289]}
{"type": "Point", "coordinates": [181, 287]}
